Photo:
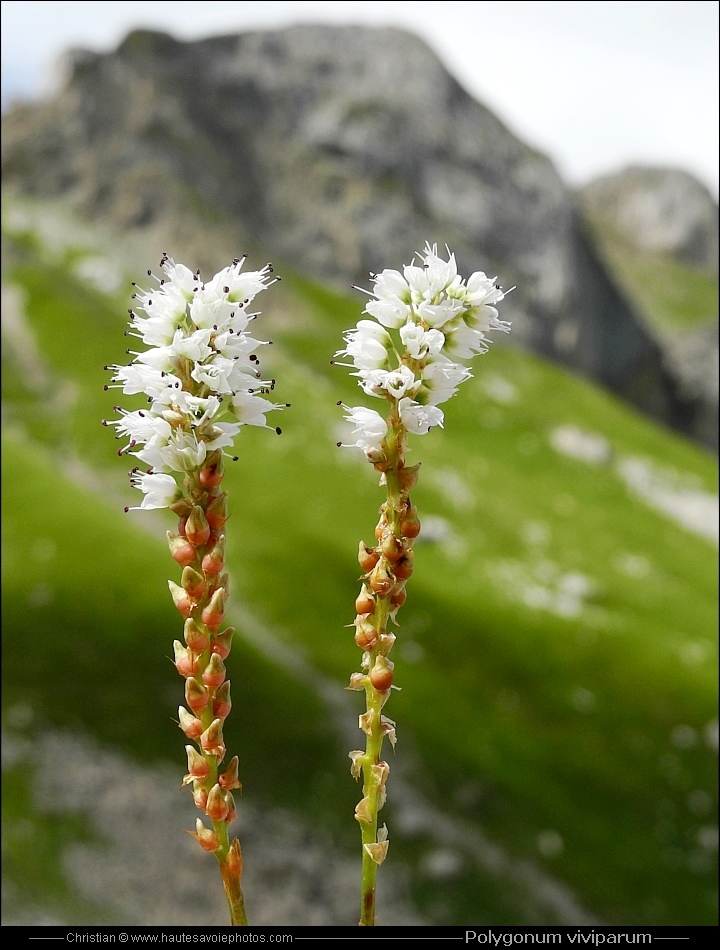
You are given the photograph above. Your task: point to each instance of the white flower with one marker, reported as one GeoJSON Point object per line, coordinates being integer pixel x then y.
{"type": "Point", "coordinates": [183, 452]}
{"type": "Point", "coordinates": [250, 409]}
{"type": "Point", "coordinates": [420, 343]}
{"type": "Point", "coordinates": [440, 380]}
{"type": "Point", "coordinates": [141, 426]}
{"type": "Point", "coordinates": [396, 383]}
{"type": "Point", "coordinates": [419, 419]}
{"type": "Point", "coordinates": [438, 318]}
{"type": "Point", "coordinates": [437, 314]}
{"type": "Point", "coordinates": [367, 346]}
{"type": "Point", "coordinates": [434, 276]}
{"type": "Point", "coordinates": [160, 490]}
{"type": "Point", "coordinates": [393, 296]}
{"type": "Point", "coordinates": [370, 428]}
{"type": "Point", "coordinates": [200, 372]}
{"type": "Point", "coordinates": [464, 342]}
{"type": "Point", "coordinates": [193, 346]}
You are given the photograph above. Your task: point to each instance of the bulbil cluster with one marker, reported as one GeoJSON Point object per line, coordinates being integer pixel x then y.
{"type": "Point", "coordinates": [199, 548]}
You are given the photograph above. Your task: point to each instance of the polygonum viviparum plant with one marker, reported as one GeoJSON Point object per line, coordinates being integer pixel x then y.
{"type": "Point", "coordinates": [200, 375]}
{"type": "Point", "coordinates": [425, 320]}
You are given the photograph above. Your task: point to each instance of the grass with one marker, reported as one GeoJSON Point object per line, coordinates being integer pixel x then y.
{"type": "Point", "coordinates": [673, 296]}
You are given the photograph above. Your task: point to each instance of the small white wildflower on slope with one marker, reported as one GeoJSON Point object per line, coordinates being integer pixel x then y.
{"type": "Point", "coordinates": [426, 317]}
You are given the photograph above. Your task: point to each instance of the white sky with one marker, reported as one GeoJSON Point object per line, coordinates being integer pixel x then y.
{"type": "Point", "coordinates": [595, 85]}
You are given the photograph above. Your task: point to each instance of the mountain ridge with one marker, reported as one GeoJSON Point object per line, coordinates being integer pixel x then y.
{"type": "Point", "coordinates": [340, 149]}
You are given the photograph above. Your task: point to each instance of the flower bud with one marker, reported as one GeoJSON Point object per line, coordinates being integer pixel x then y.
{"type": "Point", "coordinates": [193, 582]}
{"type": "Point", "coordinates": [204, 836]}
{"type": "Point", "coordinates": [410, 525]}
{"type": "Point", "coordinates": [365, 634]}
{"type": "Point", "coordinates": [229, 778]}
{"type": "Point", "coordinates": [404, 567]}
{"type": "Point", "coordinates": [222, 704]}
{"type": "Point", "coordinates": [222, 642]}
{"type": "Point", "coordinates": [365, 603]}
{"type": "Point", "coordinates": [198, 769]}
{"type": "Point", "coordinates": [391, 547]}
{"type": "Point", "coordinates": [216, 511]}
{"type": "Point", "coordinates": [195, 638]}
{"type": "Point", "coordinates": [186, 662]}
{"type": "Point", "coordinates": [196, 696]}
{"type": "Point", "coordinates": [381, 675]}
{"type": "Point", "coordinates": [214, 613]}
{"type": "Point", "coordinates": [181, 507]}
{"type": "Point", "coordinates": [367, 557]}
{"type": "Point", "coordinates": [399, 596]}
{"type": "Point", "coordinates": [180, 549]}
{"type": "Point", "coordinates": [211, 474]}
{"type": "Point", "coordinates": [381, 580]}
{"type": "Point", "coordinates": [197, 529]}
{"type": "Point", "coordinates": [212, 739]}
{"type": "Point", "coordinates": [214, 560]}
{"type": "Point", "coordinates": [181, 599]}
{"type": "Point", "coordinates": [214, 674]}
{"type": "Point", "coordinates": [233, 865]}
{"type": "Point", "coordinates": [191, 726]}
{"type": "Point", "coordinates": [216, 808]}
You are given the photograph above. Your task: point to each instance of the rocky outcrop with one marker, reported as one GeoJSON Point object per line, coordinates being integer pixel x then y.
{"type": "Point", "coordinates": [660, 210]}
{"type": "Point", "coordinates": [654, 217]}
{"type": "Point", "coordinates": [339, 150]}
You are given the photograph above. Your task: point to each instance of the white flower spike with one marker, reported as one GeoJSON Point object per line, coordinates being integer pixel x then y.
{"type": "Point", "coordinates": [200, 373]}
{"type": "Point", "coordinates": [425, 319]}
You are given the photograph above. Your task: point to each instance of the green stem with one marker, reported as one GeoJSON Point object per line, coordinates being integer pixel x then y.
{"type": "Point", "coordinates": [373, 777]}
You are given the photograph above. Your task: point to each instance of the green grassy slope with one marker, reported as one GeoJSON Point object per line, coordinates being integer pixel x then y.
{"type": "Point", "coordinates": [556, 653]}
{"type": "Point", "coordinates": [672, 296]}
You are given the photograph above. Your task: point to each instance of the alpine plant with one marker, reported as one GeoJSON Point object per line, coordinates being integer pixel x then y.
{"type": "Point", "coordinates": [200, 375]}
{"type": "Point", "coordinates": [424, 322]}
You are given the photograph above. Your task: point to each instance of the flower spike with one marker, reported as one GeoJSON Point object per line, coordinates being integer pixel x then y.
{"type": "Point", "coordinates": [199, 373]}
{"type": "Point", "coordinates": [423, 322]}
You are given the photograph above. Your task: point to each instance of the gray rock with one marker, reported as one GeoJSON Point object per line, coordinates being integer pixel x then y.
{"type": "Point", "coordinates": [661, 210]}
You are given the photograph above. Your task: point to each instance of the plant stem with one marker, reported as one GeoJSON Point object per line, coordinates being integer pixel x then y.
{"type": "Point", "coordinates": [386, 581]}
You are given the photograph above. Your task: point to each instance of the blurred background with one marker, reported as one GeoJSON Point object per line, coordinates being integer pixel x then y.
{"type": "Point", "coordinates": [557, 654]}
